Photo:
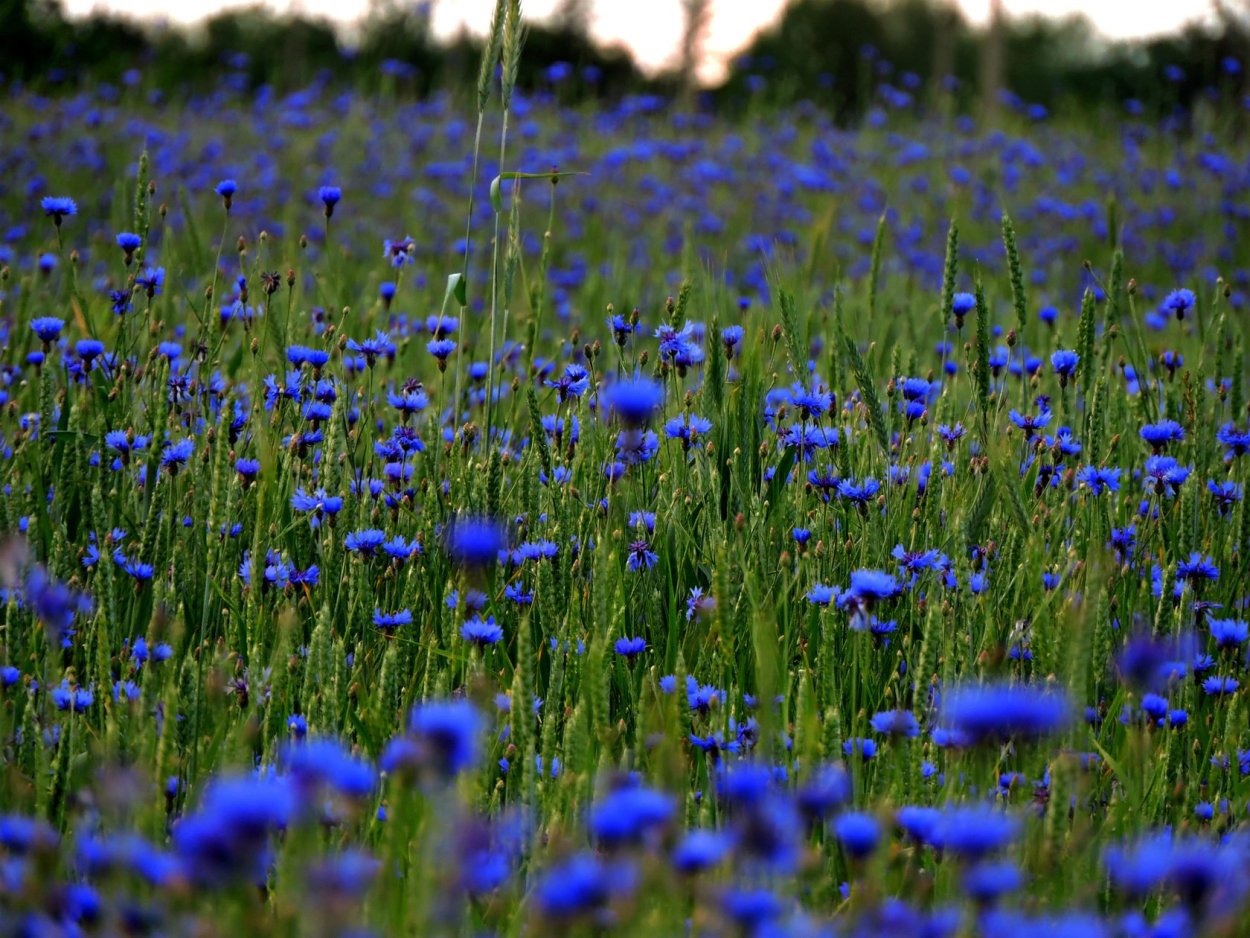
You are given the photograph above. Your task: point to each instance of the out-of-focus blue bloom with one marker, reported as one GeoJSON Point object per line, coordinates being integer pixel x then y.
{"type": "Point", "coordinates": [858, 833]}
{"type": "Point", "coordinates": [1004, 711]}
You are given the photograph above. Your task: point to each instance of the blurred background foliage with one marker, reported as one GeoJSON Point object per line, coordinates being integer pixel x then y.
{"type": "Point", "coordinates": [841, 55]}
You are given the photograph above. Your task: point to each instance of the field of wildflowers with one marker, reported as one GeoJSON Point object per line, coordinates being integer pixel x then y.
{"type": "Point", "coordinates": [482, 516]}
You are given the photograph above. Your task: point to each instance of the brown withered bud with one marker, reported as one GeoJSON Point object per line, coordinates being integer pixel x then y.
{"type": "Point", "coordinates": [634, 316]}
{"type": "Point", "coordinates": [342, 343]}
{"type": "Point", "coordinates": [208, 292]}
{"type": "Point", "coordinates": [588, 352]}
{"type": "Point", "coordinates": [1087, 265]}
{"type": "Point", "coordinates": [1132, 286]}
{"type": "Point", "coordinates": [670, 306]}
{"type": "Point", "coordinates": [264, 236]}
{"type": "Point", "coordinates": [776, 333]}
{"type": "Point", "coordinates": [595, 349]}
{"type": "Point", "coordinates": [4, 273]}
{"type": "Point", "coordinates": [740, 521]}
{"type": "Point", "coordinates": [642, 359]}
{"type": "Point", "coordinates": [1012, 339]}
{"type": "Point", "coordinates": [255, 345]}
{"type": "Point", "coordinates": [290, 277]}
{"type": "Point", "coordinates": [270, 280]}
{"type": "Point", "coordinates": [73, 257]}
{"type": "Point", "coordinates": [241, 244]}
{"type": "Point", "coordinates": [303, 241]}
{"type": "Point", "coordinates": [575, 335]}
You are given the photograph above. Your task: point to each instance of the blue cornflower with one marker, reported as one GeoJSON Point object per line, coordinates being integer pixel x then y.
{"type": "Point", "coordinates": [1154, 706]}
{"type": "Point", "coordinates": [807, 439]}
{"type": "Point", "coordinates": [1237, 441]}
{"type": "Point", "coordinates": [869, 587]}
{"type": "Point", "coordinates": [1219, 686]}
{"type": "Point", "coordinates": [917, 390]}
{"type": "Point", "coordinates": [986, 882]}
{"type": "Point", "coordinates": [699, 603]}
{"type": "Point", "coordinates": [447, 735]}
{"type": "Point", "coordinates": [573, 383]}
{"type": "Point", "coordinates": [858, 833]}
{"type": "Point", "coordinates": [752, 910]}
{"type": "Point", "coordinates": [629, 815]}
{"type": "Point", "coordinates": [1229, 633]}
{"type": "Point", "coordinates": [389, 621]}
{"type": "Point", "coordinates": [1160, 434]}
{"type": "Point", "coordinates": [400, 550]}
{"type": "Point", "coordinates": [1099, 480]}
{"type": "Point", "coordinates": [151, 280]}
{"type": "Point", "coordinates": [316, 505]}
{"type": "Point", "coordinates": [1029, 422]}
{"type": "Point", "coordinates": [700, 697]}
{"type": "Point", "coordinates": [973, 832]}
{"type": "Point", "coordinates": [226, 189]}
{"type": "Point", "coordinates": [914, 561]}
{"type": "Point", "coordinates": [58, 208]}
{"type": "Point", "coordinates": [1197, 567]}
{"type": "Point", "coordinates": [129, 243]}
{"type": "Point", "coordinates": [248, 469]}
{"type": "Point", "coordinates": [89, 350]}
{"type": "Point", "coordinates": [821, 595]}
{"type": "Point", "coordinates": [731, 338]}
{"type": "Point", "coordinates": [327, 764]}
{"type": "Point", "coordinates": [634, 400]}
{"type": "Point", "coordinates": [630, 648]}
{"type": "Point", "coordinates": [175, 455]}
{"type": "Point", "coordinates": [366, 542]}
{"type": "Point", "coordinates": [895, 723]}
{"type": "Point", "coordinates": [828, 789]}
{"type": "Point", "coordinates": [330, 196]}
{"type": "Point", "coordinates": [48, 328]}
{"type": "Point", "coordinates": [687, 428]}
{"type": "Point", "coordinates": [1163, 475]}
{"type": "Point", "coordinates": [1179, 302]}
{"type": "Point", "coordinates": [962, 304]}
{"type": "Point", "coordinates": [74, 698]}
{"type": "Point", "coordinates": [641, 557]}
{"type": "Point", "coordinates": [700, 850]}
{"type": "Point", "coordinates": [811, 403]}
{"type": "Point", "coordinates": [580, 885]}
{"type": "Point", "coordinates": [1064, 362]}
{"type": "Point", "coordinates": [474, 541]}
{"type": "Point", "coordinates": [951, 434]}
{"type": "Point", "coordinates": [481, 632]}
{"type": "Point", "coordinates": [862, 747]}
{"type": "Point", "coordinates": [859, 493]}
{"type": "Point", "coordinates": [1004, 711]}
{"type": "Point", "coordinates": [1226, 495]}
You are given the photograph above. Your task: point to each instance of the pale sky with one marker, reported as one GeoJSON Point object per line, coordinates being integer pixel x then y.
{"type": "Point", "coordinates": [652, 28]}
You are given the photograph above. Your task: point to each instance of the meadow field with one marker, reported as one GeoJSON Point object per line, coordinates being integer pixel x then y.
{"type": "Point", "coordinates": [487, 515]}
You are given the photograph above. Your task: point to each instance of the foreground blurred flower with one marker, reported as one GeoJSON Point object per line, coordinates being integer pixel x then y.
{"type": "Point", "coordinates": [474, 542]}
{"type": "Point", "coordinates": [992, 712]}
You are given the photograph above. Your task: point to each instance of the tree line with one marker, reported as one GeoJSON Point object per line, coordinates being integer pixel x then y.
{"type": "Point", "coordinates": [847, 56]}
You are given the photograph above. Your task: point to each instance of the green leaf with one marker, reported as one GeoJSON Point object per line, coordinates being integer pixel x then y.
{"type": "Point", "coordinates": [496, 184]}
{"type": "Point", "coordinates": [456, 289]}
